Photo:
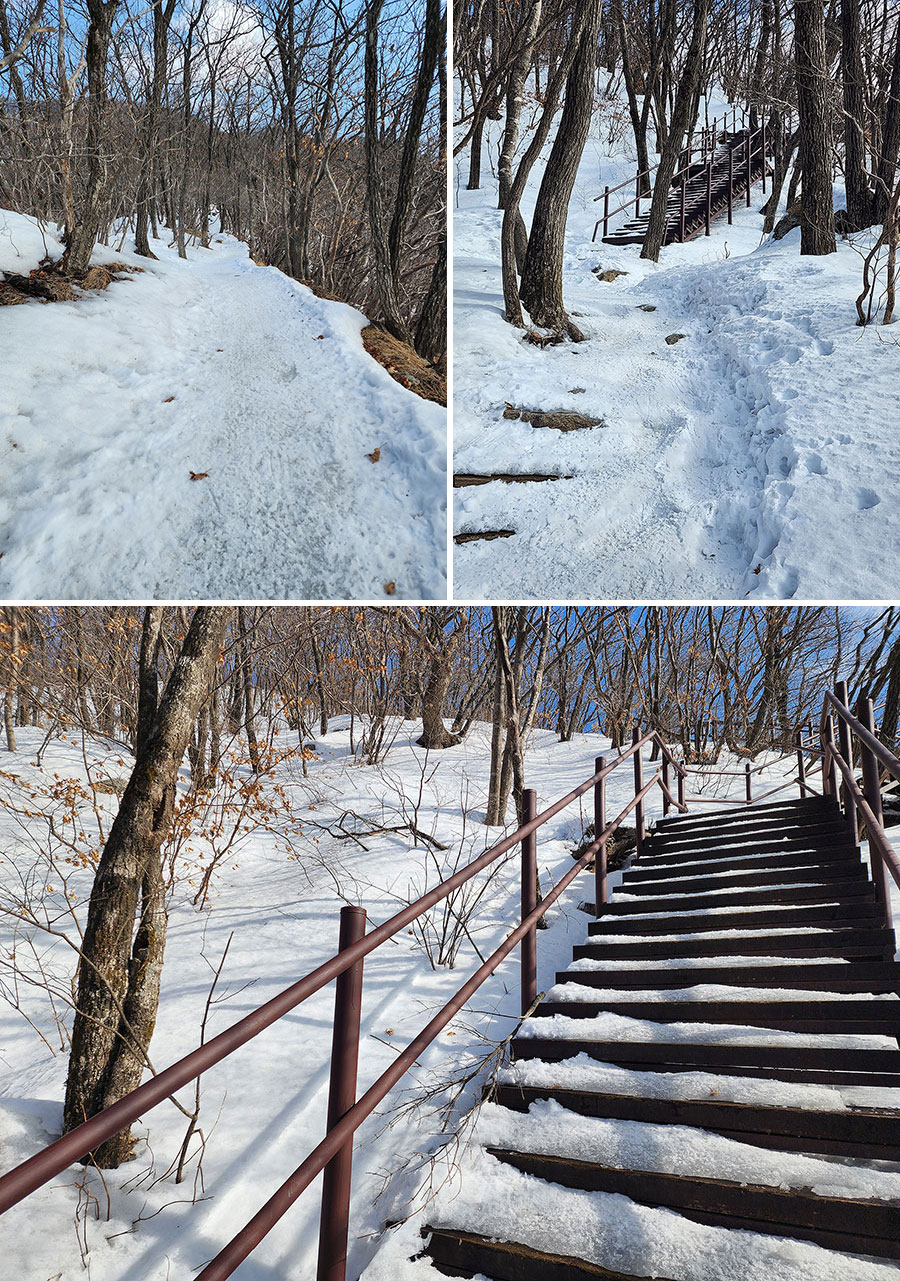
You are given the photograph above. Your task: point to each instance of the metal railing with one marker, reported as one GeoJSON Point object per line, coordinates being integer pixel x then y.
{"type": "Point", "coordinates": [346, 1112]}
{"type": "Point", "coordinates": [856, 739]}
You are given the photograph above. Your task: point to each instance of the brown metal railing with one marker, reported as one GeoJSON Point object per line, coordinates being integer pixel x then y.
{"type": "Point", "coordinates": [345, 1112]}
{"type": "Point", "coordinates": [856, 739]}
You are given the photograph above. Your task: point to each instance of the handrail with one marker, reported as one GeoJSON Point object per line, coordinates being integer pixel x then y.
{"type": "Point", "coordinates": [37, 1170]}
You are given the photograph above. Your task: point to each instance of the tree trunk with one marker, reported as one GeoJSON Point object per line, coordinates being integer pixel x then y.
{"type": "Point", "coordinates": [859, 197]}
{"type": "Point", "coordinates": [683, 116]}
{"type": "Point", "coordinates": [122, 950]}
{"type": "Point", "coordinates": [817, 199]}
{"type": "Point", "coordinates": [541, 288]}
{"type": "Point", "coordinates": [434, 733]}
{"type": "Point", "coordinates": [89, 217]}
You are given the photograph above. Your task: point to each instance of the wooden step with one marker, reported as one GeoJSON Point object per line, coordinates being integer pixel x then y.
{"type": "Point", "coordinates": [669, 845]}
{"type": "Point", "coordinates": [860, 1133]}
{"type": "Point", "coordinates": [845, 914]}
{"type": "Point", "coordinates": [463, 1254]}
{"type": "Point", "coordinates": [751, 858]}
{"type": "Point", "coordinates": [653, 869]}
{"type": "Point", "coordinates": [860, 976]}
{"type": "Point", "coordinates": [829, 891]}
{"type": "Point", "coordinates": [682, 885]}
{"type": "Point", "coordinates": [838, 1223]}
{"type": "Point", "coordinates": [732, 814]}
{"type": "Point", "coordinates": [779, 1062]}
{"type": "Point", "coordinates": [870, 944]}
{"type": "Point", "coordinates": [746, 846]}
{"type": "Point", "coordinates": [850, 1017]}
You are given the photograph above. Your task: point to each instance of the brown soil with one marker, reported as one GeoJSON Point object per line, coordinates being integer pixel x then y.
{"type": "Point", "coordinates": [462, 479]}
{"type": "Point", "coordinates": [405, 365]}
{"type": "Point", "coordinates": [47, 285]}
{"type": "Point", "coordinates": [485, 535]}
{"type": "Point", "coordinates": [557, 419]}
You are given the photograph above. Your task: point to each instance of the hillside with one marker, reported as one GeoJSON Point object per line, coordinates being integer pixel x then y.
{"type": "Point", "coordinates": [751, 456]}
{"type": "Point", "coordinates": [276, 896]}
{"type": "Point", "coordinates": [233, 372]}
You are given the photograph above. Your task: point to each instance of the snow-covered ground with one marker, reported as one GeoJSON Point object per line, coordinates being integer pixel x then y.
{"type": "Point", "coordinates": [263, 1109]}
{"type": "Point", "coordinates": [214, 365]}
{"type": "Point", "coordinates": [756, 457]}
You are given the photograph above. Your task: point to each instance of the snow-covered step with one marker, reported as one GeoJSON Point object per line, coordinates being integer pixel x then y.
{"type": "Point", "coordinates": [851, 1134]}
{"type": "Point", "coordinates": [625, 904]}
{"type": "Point", "coordinates": [809, 808]}
{"type": "Point", "coordinates": [863, 910]}
{"type": "Point", "coordinates": [664, 845]}
{"type": "Point", "coordinates": [847, 869]}
{"type": "Point", "coordinates": [872, 1227]}
{"type": "Point", "coordinates": [872, 943]}
{"type": "Point", "coordinates": [877, 1016]}
{"type": "Point", "coordinates": [838, 976]}
{"type": "Point", "coordinates": [750, 853]}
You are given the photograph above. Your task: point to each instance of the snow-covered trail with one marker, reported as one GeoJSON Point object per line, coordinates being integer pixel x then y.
{"type": "Point", "coordinates": [753, 457]}
{"type": "Point", "coordinates": [223, 367]}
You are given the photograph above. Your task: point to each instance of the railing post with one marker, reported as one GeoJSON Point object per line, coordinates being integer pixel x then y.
{"type": "Point", "coordinates": [606, 210]}
{"type": "Point", "coordinates": [730, 185]}
{"type": "Point", "coordinates": [749, 165]}
{"type": "Point", "coordinates": [637, 195]}
{"type": "Point", "coordinates": [748, 782]}
{"type": "Point", "coordinates": [528, 950]}
{"type": "Point", "coordinates": [763, 140]}
{"type": "Point", "coordinates": [638, 784]}
{"type": "Point", "coordinates": [600, 895]}
{"type": "Point", "coordinates": [845, 742]}
{"type": "Point", "coordinates": [681, 791]}
{"type": "Point", "coordinates": [708, 195]}
{"type": "Point", "coordinates": [683, 194]}
{"type": "Point", "coordinates": [335, 1217]}
{"type": "Point", "coordinates": [665, 783]}
{"type": "Point", "coordinates": [872, 792]}
{"type": "Point", "coordinates": [801, 764]}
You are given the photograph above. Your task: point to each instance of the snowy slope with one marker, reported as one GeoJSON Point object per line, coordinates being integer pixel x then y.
{"type": "Point", "coordinates": [756, 457]}
{"type": "Point", "coordinates": [263, 1109]}
{"type": "Point", "coordinates": [212, 365]}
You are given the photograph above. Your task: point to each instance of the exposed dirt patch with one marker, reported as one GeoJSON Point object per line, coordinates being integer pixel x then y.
{"type": "Point", "coordinates": [557, 419]}
{"type": "Point", "coordinates": [47, 285]}
{"type": "Point", "coordinates": [672, 339]}
{"type": "Point", "coordinates": [462, 479]}
{"type": "Point", "coordinates": [609, 275]}
{"type": "Point", "coordinates": [486, 535]}
{"type": "Point", "coordinates": [405, 365]}
{"type": "Point", "coordinates": [620, 845]}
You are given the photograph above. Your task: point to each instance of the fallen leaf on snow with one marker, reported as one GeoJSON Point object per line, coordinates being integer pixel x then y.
{"type": "Point", "coordinates": [199, 475]}
{"type": "Point", "coordinates": [389, 589]}
{"type": "Point", "coordinates": [374, 456]}
{"type": "Point", "coordinates": [168, 400]}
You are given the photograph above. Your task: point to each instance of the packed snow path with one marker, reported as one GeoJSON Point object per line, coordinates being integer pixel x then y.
{"type": "Point", "coordinates": [213, 366]}
{"type": "Point", "coordinates": [753, 457]}
{"type": "Point", "coordinates": [702, 1095]}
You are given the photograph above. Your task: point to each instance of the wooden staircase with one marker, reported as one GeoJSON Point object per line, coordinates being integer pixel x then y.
{"type": "Point", "coordinates": [760, 955]}
{"type": "Point", "coordinates": [728, 164]}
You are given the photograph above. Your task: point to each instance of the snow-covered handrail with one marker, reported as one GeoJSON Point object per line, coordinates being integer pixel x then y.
{"type": "Point", "coordinates": [346, 1114]}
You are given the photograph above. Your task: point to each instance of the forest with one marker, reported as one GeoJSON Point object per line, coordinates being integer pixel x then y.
{"type": "Point", "coordinates": [309, 129]}
{"type": "Point", "coordinates": [825, 78]}
{"type": "Point", "coordinates": [189, 795]}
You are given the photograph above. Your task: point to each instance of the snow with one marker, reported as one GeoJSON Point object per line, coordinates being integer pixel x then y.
{"type": "Point", "coordinates": [704, 992]}
{"type": "Point", "coordinates": [214, 365]}
{"type": "Point", "coordinates": [552, 1130]}
{"type": "Point", "coordinates": [584, 1073]}
{"type": "Point", "coordinates": [718, 455]}
{"type": "Point", "coordinates": [613, 1232]}
{"type": "Point", "coordinates": [616, 1027]}
{"type": "Point", "coordinates": [263, 1109]}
